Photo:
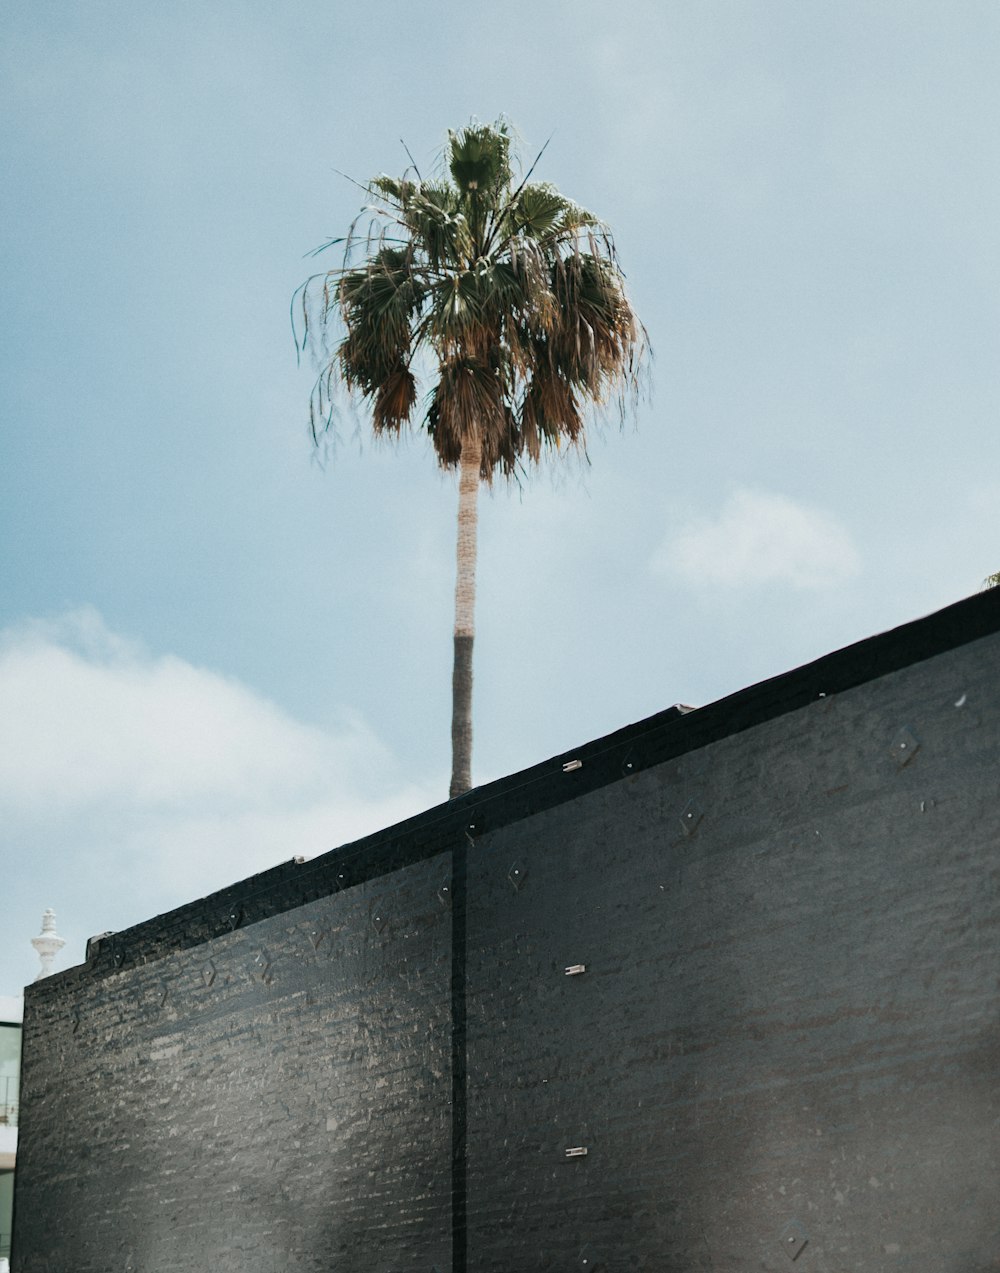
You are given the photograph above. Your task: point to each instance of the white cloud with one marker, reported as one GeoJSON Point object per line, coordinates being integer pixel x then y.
{"type": "Point", "coordinates": [760, 538]}
{"type": "Point", "coordinates": [132, 783]}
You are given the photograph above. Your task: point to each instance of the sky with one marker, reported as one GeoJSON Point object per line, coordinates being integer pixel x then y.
{"type": "Point", "coordinates": [219, 649]}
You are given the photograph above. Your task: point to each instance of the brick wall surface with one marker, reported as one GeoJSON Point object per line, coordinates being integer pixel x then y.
{"type": "Point", "coordinates": [788, 1023]}
{"type": "Point", "coordinates": [783, 1050]}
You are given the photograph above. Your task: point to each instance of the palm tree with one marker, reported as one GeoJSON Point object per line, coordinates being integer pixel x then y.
{"type": "Point", "coordinates": [509, 299]}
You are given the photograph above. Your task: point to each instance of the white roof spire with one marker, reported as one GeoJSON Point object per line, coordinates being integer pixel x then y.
{"type": "Point", "coordinates": [48, 943]}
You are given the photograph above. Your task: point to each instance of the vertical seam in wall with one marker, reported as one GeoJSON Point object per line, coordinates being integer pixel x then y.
{"type": "Point", "coordinates": [459, 1239]}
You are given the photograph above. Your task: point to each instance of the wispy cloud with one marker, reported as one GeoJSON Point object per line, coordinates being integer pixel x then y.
{"type": "Point", "coordinates": [760, 538]}
{"type": "Point", "coordinates": [144, 781]}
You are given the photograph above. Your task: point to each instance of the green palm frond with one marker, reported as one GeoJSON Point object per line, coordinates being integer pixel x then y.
{"type": "Point", "coordinates": [539, 211]}
{"type": "Point", "coordinates": [399, 191]}
{"type": "Point", "coordinates": [376, 304]}
{"type": "Point", "coordinates": [479, 159]}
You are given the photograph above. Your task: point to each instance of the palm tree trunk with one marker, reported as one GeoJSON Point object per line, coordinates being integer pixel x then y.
{"type": "Point", "coordinates": [465, 628]}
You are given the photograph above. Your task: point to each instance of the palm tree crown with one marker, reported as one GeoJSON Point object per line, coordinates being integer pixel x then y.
{"type": "Point", "coordinates": [506, 295]}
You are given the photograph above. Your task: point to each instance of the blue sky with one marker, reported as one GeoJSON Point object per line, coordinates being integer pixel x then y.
{"type": "Point", "coordinates": [215, 652]}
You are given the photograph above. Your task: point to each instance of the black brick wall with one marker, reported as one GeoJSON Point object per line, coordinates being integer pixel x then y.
{"type": "Point", "coordinates": [785, 1042]}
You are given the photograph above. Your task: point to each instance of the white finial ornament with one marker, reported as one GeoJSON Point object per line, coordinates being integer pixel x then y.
{"type": "Point", "coordinates": [48, 943]}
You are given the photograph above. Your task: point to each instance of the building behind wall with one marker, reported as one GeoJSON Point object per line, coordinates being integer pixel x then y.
{"type": "Point", "coordinates": [717, 992]}
{"type": "Point", "coordinates": [10, 1064]}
